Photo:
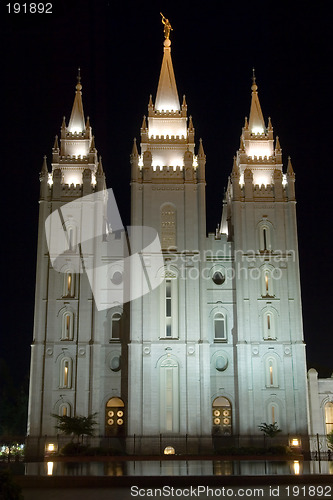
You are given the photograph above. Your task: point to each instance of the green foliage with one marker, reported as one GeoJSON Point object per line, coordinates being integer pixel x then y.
{"type": "Point", "coordinates": [270, 430]}
{"type": "Point", "coordinates": [73, 449]}
{"type": "Point", "coordinates": [330, 440]}
{"type": "Point", "coordinates": [77, 426]}
{"type": "Point", "coordinates": [8, 489]}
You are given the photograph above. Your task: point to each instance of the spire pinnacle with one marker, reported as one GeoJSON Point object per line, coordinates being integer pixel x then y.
{"type": "Point", "coordinates": [290, 170]}
{"type": "Point", "coordinates": [56, 144]}
{"type": "Point", "coordinates": [135, 149]}
{"type": "Point", "coordinates": [77, 122]}
{"type": "Point", "coordinates": [167, 95]}
{"type": "Point", "coordinates": [201, 149]}
{"type": "Point", "coordinates": [277, 145]}
{"type": "Point", "coordinates": [44, 170]}
{"type": "Point", "coordinates": [256, 121]}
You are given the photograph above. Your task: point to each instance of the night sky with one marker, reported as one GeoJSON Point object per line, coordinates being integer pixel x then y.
{"type": "Point", "coordinates": [119, 49]}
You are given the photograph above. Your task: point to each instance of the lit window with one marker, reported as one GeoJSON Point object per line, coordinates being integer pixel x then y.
{"type": "Point", "coordinates": [267, 283]}
{"type": "Point", "coordinates": [273, 413]}
{"type": "Point", "coordinates": [69, 283]}
{"type": "Point", "coordinates": [218, 278]}
{"type": "Point", "coordinates": [271, 373]}
{"type": "Point", "coordinates": [65, 410]}
{"type": "Point", "coordinates": [269, 326]}
{"type": "Point", "coordinates": [222, 416]}
{"type": "Point", "coordinates": [67, 326]}
{"type": "Point", "coordinates": [220, 333]}
{"type": "Point", "coordinates": [329, 417]}
{"type": "Point", "coordinates": [66, 373]}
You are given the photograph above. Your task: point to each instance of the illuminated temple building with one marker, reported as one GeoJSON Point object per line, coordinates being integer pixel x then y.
{"type": "Point", "coordinates": [217, 347]}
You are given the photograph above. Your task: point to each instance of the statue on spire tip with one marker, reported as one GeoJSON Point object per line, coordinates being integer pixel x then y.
{"type": "Point", "coordinates": [167, 27]}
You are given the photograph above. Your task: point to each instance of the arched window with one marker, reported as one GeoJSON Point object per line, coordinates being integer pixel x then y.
{"type": "Point", "coordinates": [329, 417]}
{"type": "Point", "coordinates": [271, 373]}
{"type": "Point", "coordinates": [267, 283]}
{"type": "Point", "coordinates": [272, 413]}
{"type": "Point", "coordinates": [69, 284]}
{"type": "Point", "coordinates": [169, 306]}
{"type": "Point", "coordinates": [222, 416]}
{"type": "Point", "coordinates": [220, 331]}
{"type": "Point", "coordinates": [67, 327]}
{"type": "Point", "coordinates": [115, 333]}
{"type": "Point", "coordinates": [168, 226]}
{"type": "Point", "coordinates": [65, 410]}
{"type": "Point", "coordinates": [66, 373]}
{"type": "Point", "coordinates": [169, 396]}
{"type": "Point", "coordinates": [269, 326]}
{"type": "Point", "coordinates": [265, 238]}
{"type": "Point", "coordinates": [115, 417]}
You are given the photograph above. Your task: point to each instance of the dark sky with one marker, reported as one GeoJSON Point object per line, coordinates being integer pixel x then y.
{"type": "Point", "coordinates": [118, 47]}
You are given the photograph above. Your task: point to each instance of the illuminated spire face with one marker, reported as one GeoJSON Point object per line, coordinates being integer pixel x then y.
{"type": "Point", "coordinates": [256, 122]}
{"type": "Point", "coordinates": [167, 96]}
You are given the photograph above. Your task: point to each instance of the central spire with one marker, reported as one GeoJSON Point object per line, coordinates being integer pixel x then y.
{"type": "Point", "coordinates": [76, 121]}
{"type": "Point", "coordinates": [167, 95]}
{"type": "Point", "coordinates": [256, 121]}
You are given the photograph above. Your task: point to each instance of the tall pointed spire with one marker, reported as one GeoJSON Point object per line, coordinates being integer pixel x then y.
{"type": "Point", "coordinates": [256, 121]}
{"type": "Point", "coordinates": [77, 121]}
{"type": "Point", "coordinates": [167, 95]}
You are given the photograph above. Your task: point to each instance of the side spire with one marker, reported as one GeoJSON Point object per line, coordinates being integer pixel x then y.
{"type": "Point", "coordinates": [77, 121]}
{"type": "Point", "coordinates": [256, 120]}
{"type": "Point", "coordinates": [167, 95]}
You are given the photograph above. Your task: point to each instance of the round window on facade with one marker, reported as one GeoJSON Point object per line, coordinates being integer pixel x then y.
{"type": "Point", "coordinates": [217, 413]}
{"type": "Point", "coordinates": [217, 421]}
{"type": "Point", "coordinates": [110, 421]}
{"type": "Point", "coordinates": [120, 421]}
{"type": "Point", "coordinates": [218, 278]}
{"type": "Point", "coordinates": [115, 364]}
{"type": "Point", "coordinates": [221, 363]}
{"type": "Point", "coordinates": [120, 413]}
{"type": "Point", "coordinates": [110, 413]}
{"type": "Point", "coordinates": [117, 278]}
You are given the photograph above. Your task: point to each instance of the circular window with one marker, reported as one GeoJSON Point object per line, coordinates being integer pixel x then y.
{"type": "Point", "coordinates": [110, 413]}
{"type": "Point", "coordinates": [120, 413]}
{"type": "Point", "coordinates": [217, 413]}
{"type": "Point", "coordinates": [110, 421]}
{"type": "Point", "coordinates": [115, 364]}
{"type": "Point", "coordinates": [117, 278]}
{"type": "Point", "coordinates": [218, 278]}
{"type": "Point", "coordinates": [217, 421]}
{"type": "Point", "coordinates": [221, 363]}
{"type": "Point", "coordinates": [120, 421]}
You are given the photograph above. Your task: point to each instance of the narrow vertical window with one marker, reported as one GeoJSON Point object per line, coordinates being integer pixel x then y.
{"type": "Point", "coordinates": [169, 396]}
{"type": "Point", "coordinates": [67, 326]}
{"type": "Point", "coordinates": [115, 326]}
{"type": "Point", "coordinates": [264, 233]}
{"type": "Point", "coordinates": [271, 373]}
{"type": "Point", "coordinates": [267, 283]}
{"type": "Point", "coordinates": [168, 307]}
{"type": "Point", "coordinates": [329, 417]}
{"type": "Point", "coordinates": [219, 327]}
{"type": "Point", "coordinates": [68, 284]}
{"type": "Point", "coordinates": [66, 373]}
